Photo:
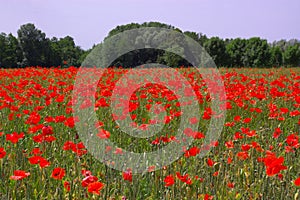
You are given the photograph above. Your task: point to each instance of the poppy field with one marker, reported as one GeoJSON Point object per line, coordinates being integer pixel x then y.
{"type": "Point", "coordinates": [257, 155]}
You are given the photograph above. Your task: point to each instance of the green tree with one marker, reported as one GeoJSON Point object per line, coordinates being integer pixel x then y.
{"type": "Point", "coordinates": [83, 55]}
{"type": "Point", "coordinates": [55, 57]}
{"type": "Point", "coordinates": [292, 55]}
{"type": "Point", "coordinates": [10, 51]}
{"type": "Point", "coordinates": [69, 53]}
{"type": "Point", "coordinates": [216, 48]}
{"type": "Point", "coordinates": [282, 44]}
{"type": "Point", "coordinates": [236, 49]}
{"type": "Point", "coordinates": [34, 44]}
{"type": "Point", "coordinates": [198, 37]}
{"type": "Point", "coordinates": [2, 48]}
{"type": "Point", "coordinates": [144, 54]}
{"type": "Point", "coordinates": [257, 53]}
{"type": "Point", "coordinates": [276, 58]}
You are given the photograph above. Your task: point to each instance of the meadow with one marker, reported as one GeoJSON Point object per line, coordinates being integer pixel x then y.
{"type": "Point", "coordinates": [257, 156]}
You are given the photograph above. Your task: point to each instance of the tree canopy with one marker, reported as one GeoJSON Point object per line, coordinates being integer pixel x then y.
{"type": "Point", "coordinates": [31, 47]}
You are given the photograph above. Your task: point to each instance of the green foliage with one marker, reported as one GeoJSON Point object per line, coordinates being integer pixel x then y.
{"type": "Point", "coordinates": [33, 48]}
{"type": "Point", "coordinates": [143, 40]}
{"type": "Point", "coordinates": [236, 49]}
{"type": "Point", "coordinates": [66, 52]}
{"type": "Point", "coordinates": [198, 37]}
{"type": "Point", "coordinates": [292, 55]}
{"type": "Point", "coordinates": [276, 56]}
{"type": "Point", "coordinates": [34, 44]}
{"type": "Point", "coordinates": [10, 51]}
{"type": "Point", "coordinates": [257, 53]}
{"type": "Point", "coordinates": [131, 26]}
{"type": "Point", "coordinates": [216, 48]}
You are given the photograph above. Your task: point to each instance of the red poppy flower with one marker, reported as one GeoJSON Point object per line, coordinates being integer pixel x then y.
{"type": "Point", "coordinates": [207, 113]}
{"type": "Point", "coordinates": [70, 122]}
{"type": "Point", "coordinates": [216, 173]}
{"type": "Point", "coordinates": [69, 145]}
{"type": "Point", "coordinates": [101, 103]}
{"type": "Point", "coordinates": [280, 176]}
{"type": "Point", "coordinates": [103, 134]}
{"type": "Point", "coordinates": [229, 144]}
{"type": "Point", "coordinates": [229, 160]}
{"type": "Point", "coordinates": [210, 162]}
{"type": "Point", "coordinates": [34, 118]}
{"type": "Point", "coordinates": [155, 142]}
{"type": "Point", "coordinates": [39, 160]}
{"type": "Point", "coordinates": [194, 120]}
{"type": "Point", "coordinates": [247, 120]}
{"type": "Point", "coordinates": [86, 172]}
{"type": "Point", "coordinates": [192, 152]}
{"type": "Point", "coordinates": [67, 186]}
{"type": "Point", "coordinates": [88, 179]}
{"type": "Point", "coordinates": [185, 178]}
{"type": "Point", "coordinates": [230, 184]}
{"type": "Point", "coordinates": [127, 175]}
{"type": "Point", "coordinates": [79, 148]}
{"type": "Point", "coordinates": [58, 173]}
{"type": "Point", "coordinates": [19, 175]}
{"type": "Point", "coordinates": [198, 135]}
{"type": "Point", "coordinates": [238, 135]}
{"type": "Point", "coordinates": [189, 132]}
{"type": "Point", "coordinates": [208, 197]}
{"type": "Point", "coordinates": [229, 124]}
{"type": "Point", "coordinates": [95, 187]}
{"type": "Point", "coordinates": [47, 130]}
{"type": "Point", "coordinates": [294, 113]}
{"type": "Point", "coordinates": [293, 140]}
{"type": "Point", "coordinates": [43, 138]}
{"type": "Point", "coordinates": [118, 151]}
{"type": "Point", "coordinates": [297, 182]}
{"type": "Point", "coordinates": [2, 153]}
{"type": "Point", "coordinates": [243, 155]}
{"type": "Point", "coordinates": [14, 137]}
{"type": "Point", "coordinates": [169, 180]}
{"type": "Point", "coordinates": [245, 147]}
{"type": "Point", "coordinates": [60, 118]}
{"type": "Point", "coordinates": [36, 151]}
{"type": "Point", "coordinates": [60, 98]}
{"type": "Point", "coordinates": [237, 118]}
{"type": "Point", "coordinates": [273, 164]}
{"type": "Point", "coordinates": [277, 133]}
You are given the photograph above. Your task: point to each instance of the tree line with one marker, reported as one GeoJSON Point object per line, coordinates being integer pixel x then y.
{"type": "Point", "coordinates": [31, 47]}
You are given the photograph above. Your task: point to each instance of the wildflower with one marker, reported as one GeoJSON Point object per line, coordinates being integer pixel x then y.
{"type": "Point", "coordinates": [67, 186]}
{"type": "Point", "coordinates": [169, 180]}
{"type": "Point", "coordinates": [2, 153]}
{"type": "Point", "coordinates": [103, 134]}
{"type": "Point", "coordinates": [14, 137]}
{"type": "Point", "coordinates": [127, 175]}
{"type": "Point", "coordinates": [297, 182]}
{"type": "Point", "coordinates": [19, 175]}
{"type": "Point", "coordinates": [95, 187]}
{"type": "Point", "coordinates": [210, 162]}
{"type": "Point", "coordinates": [58, 173]}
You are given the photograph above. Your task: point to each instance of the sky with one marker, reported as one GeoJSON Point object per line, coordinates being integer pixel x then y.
{"type": "Point", "coordinates": [89, 21]}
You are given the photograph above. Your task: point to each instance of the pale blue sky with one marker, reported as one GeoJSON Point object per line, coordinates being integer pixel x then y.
{"type": "Point", "coordinates": [89, 21]}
